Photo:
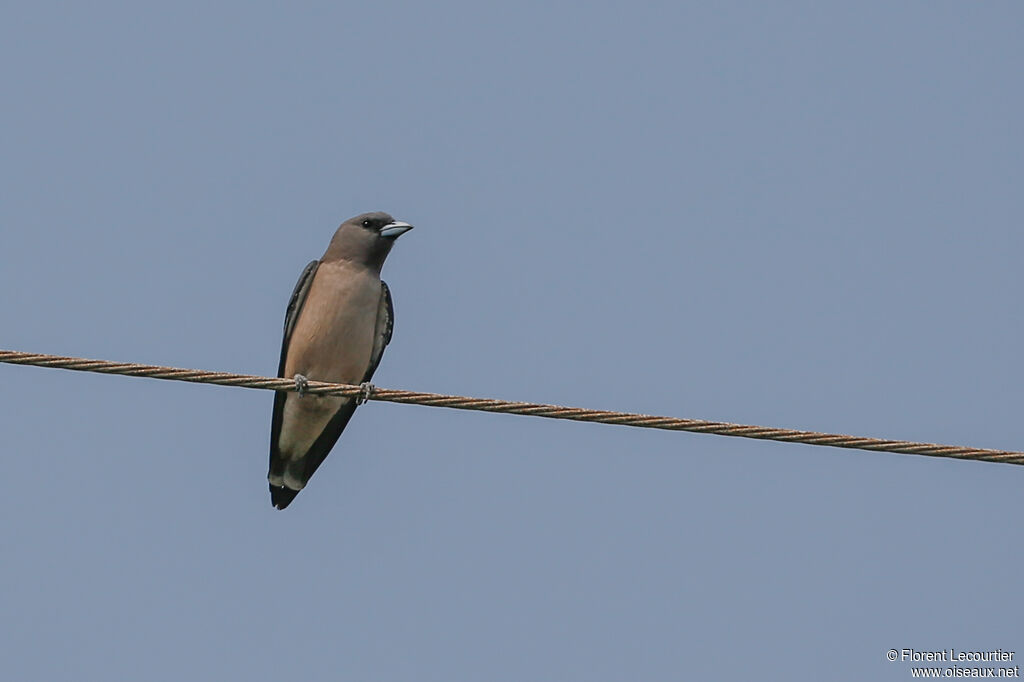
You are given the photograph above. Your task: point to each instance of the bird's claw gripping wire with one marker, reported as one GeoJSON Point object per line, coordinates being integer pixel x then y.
{"type": "Point", "coordinates": [301, 384]}
{"type": "Point", "coordinates": [366, 389]}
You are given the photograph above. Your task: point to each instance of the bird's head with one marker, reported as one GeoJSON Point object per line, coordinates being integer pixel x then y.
{"type": "Point", "coordinates": [366, 239]}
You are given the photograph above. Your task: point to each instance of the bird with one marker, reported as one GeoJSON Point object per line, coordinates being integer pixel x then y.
{"type": "Point", "coordinates": [338, 322]}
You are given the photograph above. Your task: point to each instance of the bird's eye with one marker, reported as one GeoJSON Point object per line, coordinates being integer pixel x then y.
{"type": "Point", "coordinates": [366, 223]}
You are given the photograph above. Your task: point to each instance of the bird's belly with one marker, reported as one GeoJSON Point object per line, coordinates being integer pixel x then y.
{"type": "Point", "coordinates": [303, 421]}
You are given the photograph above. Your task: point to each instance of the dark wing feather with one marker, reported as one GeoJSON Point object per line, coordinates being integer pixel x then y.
{"type": "Point", "coordinates": [295, 304]}
{"type": "Point", "coordinates": [385, 327]}
{"type": "Point", "coordinates": [291, 315]}
{"type": "Point", "coordinates": [322, 447]}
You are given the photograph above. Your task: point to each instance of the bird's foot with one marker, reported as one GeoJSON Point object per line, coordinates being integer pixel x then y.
{"type": "Point", "coordinates": [301, 384]}
{"type": "Point", "coordinates": [366, 389]}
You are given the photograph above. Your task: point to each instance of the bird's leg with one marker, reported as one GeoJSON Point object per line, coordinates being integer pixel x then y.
{"type": "Point", "coordinates": [366, 389]}
{"type": "Point", "coordinates": [301, 384]}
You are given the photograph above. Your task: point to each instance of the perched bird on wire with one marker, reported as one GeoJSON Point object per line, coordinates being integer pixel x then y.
{"type": "Point", "coordinates": [338, 322]}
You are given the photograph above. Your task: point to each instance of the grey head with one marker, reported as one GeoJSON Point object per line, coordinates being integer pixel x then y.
{"type": "Point", "coordinates": [366, 239]}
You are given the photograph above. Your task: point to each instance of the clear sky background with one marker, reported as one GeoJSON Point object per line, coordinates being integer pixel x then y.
{"type": "Point", "coordinates": [789, 214]}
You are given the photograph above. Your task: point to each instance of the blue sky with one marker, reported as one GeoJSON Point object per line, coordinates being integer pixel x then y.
{"type": "Point", "coordinates": [792, 214]}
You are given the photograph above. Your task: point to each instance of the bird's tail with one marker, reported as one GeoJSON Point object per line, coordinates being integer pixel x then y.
{"type": "Point", "coordinates": [280, 496]}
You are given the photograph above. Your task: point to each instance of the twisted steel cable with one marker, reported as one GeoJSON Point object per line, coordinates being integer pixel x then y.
{"type": "Point", "coordinates": [508, 407]}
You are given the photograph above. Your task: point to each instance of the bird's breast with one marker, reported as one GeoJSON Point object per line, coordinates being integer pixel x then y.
{"type": "Point", "coordinates": [333, 335]}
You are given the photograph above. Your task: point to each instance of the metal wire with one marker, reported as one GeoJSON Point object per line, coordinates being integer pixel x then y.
{"type": "Point", "coordinates": [507, 407]}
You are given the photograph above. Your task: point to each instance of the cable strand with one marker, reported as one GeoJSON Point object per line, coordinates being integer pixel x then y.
{"type": "Point", "coordinates": [546, 411]}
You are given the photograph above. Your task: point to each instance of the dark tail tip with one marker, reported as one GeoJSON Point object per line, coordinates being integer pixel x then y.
{"type": "Point", "coordinates": [281, 497]}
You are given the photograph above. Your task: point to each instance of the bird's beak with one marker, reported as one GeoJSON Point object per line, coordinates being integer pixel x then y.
{"type": "Point", "coordinates": [395, 229]}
